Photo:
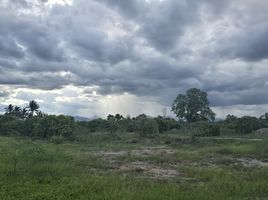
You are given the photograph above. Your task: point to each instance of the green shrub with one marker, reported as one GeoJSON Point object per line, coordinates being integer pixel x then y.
{"type": "Point", "coordinates": [214, 130]}
{"type": "Point", "coordinates": [166, 124]}
{"type": "Point", "coordinates": [112, 126]}
{"type": "Point", "coordinates": [147, 127]}
{"type": "Point", "coordinates": [248, 124]}
{"type": "Point", "coordinates": [95, 125]}
{"type": "Point", "coordinates": [204, 128]}
{"type": "Point", "coordinates": [9, 125]}
{"type": "Point", "coordinates": [39, 127]}
{"type": "Point", "coordinates": [57, 139]}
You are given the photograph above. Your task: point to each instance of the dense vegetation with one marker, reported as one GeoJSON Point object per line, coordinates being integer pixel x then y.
{"type": "Point", "coordinates": [192, 110]}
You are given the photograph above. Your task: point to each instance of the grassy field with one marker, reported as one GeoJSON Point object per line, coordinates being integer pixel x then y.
{"type": "Point", "coordinates": [125, 166]}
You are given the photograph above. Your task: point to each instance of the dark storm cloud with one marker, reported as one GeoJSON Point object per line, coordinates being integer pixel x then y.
{"type": "Point", "coordinates": [9, 48]}
{"type": "Point", "coordinates": [147, 48]}
{"type": "Point", "coordinates": [130, 9]}
{"type": "Point", "coordinates": [165, 22]}
{"type": "Point", "coordinates": [41, 44]}
{"type": "Point", "coordinates": [161, 22]}
{"type": "Point", "coordinates": [37, 37]}
{"type": "Point", "coordinates": [243, 32]}
{"type": "Point", "coordinates": [245, 97]}
{"type": "Point", "coordinates": [95, 45]}
{"type": "Point", "coordinates": [250, 45]}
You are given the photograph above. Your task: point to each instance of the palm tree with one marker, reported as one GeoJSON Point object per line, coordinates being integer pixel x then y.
{"type": "Point", "coordinates": [33, 107]}
{"type": "Point", "coordinates": [24, 113]}
{"type": "Point", "coordinates": [9, 109]}
{"type": "Point", "coordinates": [17, 111]}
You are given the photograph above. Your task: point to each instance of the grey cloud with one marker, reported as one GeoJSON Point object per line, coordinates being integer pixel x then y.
{"type": "Point", "coordinates": [38, 80]}
{"type": "Point", "coordinates": [34, 35]}
{"type": "Point", "coordinates": [131, 9]}
{"type": "Point", "coordinates": [40, 41]}
{"type": "Point", "coordinates": [251, 45]}
{"type": "Point", "coordinates": [9, 48]}
{"type": "Point", "coordinates": [165, 23]}
{"type": "Point", "coordinates": [242, 32]}
{"type": "Point", "coordinates": [52, 81]}
{"type": "Point", "coordinates": [161, 23]}
{"type": "Point", "coordinates": [94, 45]}
{"type": "Point", "coordinates": [245, 97]}
{"type": "Point", "coordinates": [156, 51]}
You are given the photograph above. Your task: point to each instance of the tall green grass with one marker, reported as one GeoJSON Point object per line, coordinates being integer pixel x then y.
{"type": "Point", "coordinates": [70, 171]}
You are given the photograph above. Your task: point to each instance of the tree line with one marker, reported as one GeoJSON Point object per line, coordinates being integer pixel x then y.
{"type": "Point", "coordinates": [30, 121]}
{"type": "Point", "coordinates": [29, 111]}
{"type": "Point", "coordinates": [191, 109]}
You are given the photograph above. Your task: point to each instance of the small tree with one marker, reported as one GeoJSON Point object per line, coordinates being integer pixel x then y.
{"type": "Point", "coordinates": [166, 124]}
{"type": "Point", "coordinates": [264, 117]}
{"type": "Point", "coordinates": [230, 118]}
{"type": "Point", "coordinates": [110, 118]}
{"type": "Point", "coordinates": [247, 124]}
{"type": "Point", "coordinates": [118, 117]}
{"type": "Point", "coordinates": [9, 109]}
{"type": "Point", "coordinates": [112, 126]}
{"type": "Point", "coordinates": [147, 127]}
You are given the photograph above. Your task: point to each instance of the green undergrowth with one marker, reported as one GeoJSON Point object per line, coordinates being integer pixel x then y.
{"type": "Point", "coordinates": [42, 170]}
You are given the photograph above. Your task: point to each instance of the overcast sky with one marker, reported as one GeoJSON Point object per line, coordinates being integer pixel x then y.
{"type": "Point", "coordinates": [95, 57]}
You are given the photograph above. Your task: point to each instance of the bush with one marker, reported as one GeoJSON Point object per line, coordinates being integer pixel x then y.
{"type": "Point", "coordinates": [9, 125]}
{"type": "Point", "coordinates": [205, 128]}
{"type": "Point", "coordinates": [147, 127]}
{"type": "Point", "coordinates": [214, 130]}
{"type": "Point", "coordinates": [12, 127]}
{"type": "Point", "coordinates": [56, 139]}
{"type": "Point", "coordinates": [132, 126]}
{"type": "Point", "coordinates": [112, 126]}
{"type": "Point", "coordinates": [166, 124]}
{"type": "Point", "coordinates": [31, 127]}
{"type": "Point", "coordinates": [39, 127]}
{"type": "Point", "coordinates": [247, 124]}
{"type": "Point", "coordinates": [52, 125]}
{"type": "Point", "coordinates": [95, 125]}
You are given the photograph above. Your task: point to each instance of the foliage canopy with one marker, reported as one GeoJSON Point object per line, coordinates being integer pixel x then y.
{"type": "Point", "coordinates": [193, 106]}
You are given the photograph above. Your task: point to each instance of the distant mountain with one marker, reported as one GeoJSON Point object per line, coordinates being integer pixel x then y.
{"type": "Point", "coordinates": [81, 119]}
{"type": "Point", "coordinates": [84, 119]}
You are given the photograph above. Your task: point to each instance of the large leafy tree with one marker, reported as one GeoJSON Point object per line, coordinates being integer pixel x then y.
{"type": "Point", "coordinates": [193, 106]}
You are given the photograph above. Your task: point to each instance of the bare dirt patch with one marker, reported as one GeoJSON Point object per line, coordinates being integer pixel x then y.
{"type": "Point", "coordinates": [249, 163]}
{"type": "Point", "coordinates": [262, 131]}
{"type": "Point", "coordinates": [145, 152]}
{"type": "Point", "coordinates": [160, 173]}
{"type": "Point", "coordinates": [150, 170]}
{"type": "Point", "coordinates": [111, 153]}
{"type": "Point", "coordinates": [233, 162]}
{"type": "Point", "coordinates": [142, 152]}
{"type": "Point", "coordinates": [119, 161]}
